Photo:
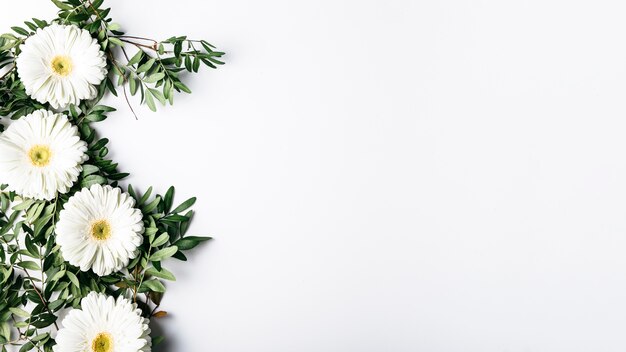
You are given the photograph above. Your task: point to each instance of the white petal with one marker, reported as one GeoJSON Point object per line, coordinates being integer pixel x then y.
{"type": "Point", "coordinates": [43, 84]}
{"type": "Point", "coordinates": [120, 319]}
{"type": "Point", "coordinates": [67, 154]}
{"type": "Point", "coordinates": [74, 229]}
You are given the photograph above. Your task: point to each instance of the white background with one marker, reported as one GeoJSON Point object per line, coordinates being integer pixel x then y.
{"type": "Point", "coordinates": [391, 175]}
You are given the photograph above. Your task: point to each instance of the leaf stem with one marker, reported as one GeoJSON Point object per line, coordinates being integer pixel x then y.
{"type": "Point", "coordinates": [143, 272]}
{"type": "Point", "coordinates": [121, 37]}
{"type": "Point", "coordinates": [119, 70]}
{"type": "Point", "coordinates": [8, 72]}
{"type": "Point", "coordinates": [32, 281]}
{"type": "Point", "coordinates": [43, 300]}
{"type": "Point", "coordinates": [139, 45]}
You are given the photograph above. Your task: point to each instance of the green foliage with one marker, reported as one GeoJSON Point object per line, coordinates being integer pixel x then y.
{"type": "Point", "coordinates": [153, 71]}
{"type": "Point", "coordinates": [33, 264]}
{"type": "Point", "coordinates": [14, 101]}
{"type": "Point", "coordinates": [36, 282]}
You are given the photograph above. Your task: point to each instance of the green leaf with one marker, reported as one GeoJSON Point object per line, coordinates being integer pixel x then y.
{"type": "Point", "coordinates": [180, 256]}
{"type": "Point", "coordinates": [168, 91]}
{"type": "Point", "coordinates": [21, 324]}
{"type": "Point", "coordinates": [20, 30]}
{"type": "Point", "coordinates": [185, 205]}
{"type": "Point", "coordinates": [73, 279]}
{"type": "Point", "coordinates": [147, 66]}
{"type": "Point", "coordinates": [62, 6]}
{"type": "Point", "coordinates": [182, 87]}
{"type": "Point", "coordinates": [89, 169]}
{"type": "Point", "coordinates": [150, 207]}
{"type": "Point", "coordinates": [207, 46]}
{"type": "Point", "coordinates": [5, 331]}
{"type": "Point", "coordinates": [95, 117]}
{"type": "Point", "coordinates": [24, 205]}
{"type": "Point", "coordinates": [114, 26]}
{"type": "Point", "coordinates": [93, 180]}
{"type": "Point", "coordinates": [169, 197]}
{"type": "Point", "coordinates": [145, 196]}
{"type": "Point", "coordinates": [58, 276]}
{"type": "Point", "coordinates": [157, 94]}
{"type": "Point", "coordinates": [56, 304]}
{"type": "Point", "coordinates": [163, 254]}
{"type": "Point", "coordinates": [151, 231]}
{"type": "Point", "coordinates": [103, 108]}
{"type": "Point", "coordinates": [73, 111]}
{"type": "Point", "coordinates": [44, 320]}
{"type": "Point", "coordinates": [161, 240]}
{"type": "Point", "coordinates": [196, 65]}
{"type": "Point", "coordinates": [96, 5]}
{"type": "Point", "coordinates": [150, 101]}
{"type": "Point", "coordinates": [152, 285]}
{"type": "Point", "coordinates": [178, 48]}
{"type": "Point", "coordinates": [188, 63]}
{"type": "Point", "coordinates": [163, 274]}
{"type": "Point", "coordinates": [118, 176]}
{"type": "Point", "coordinates": [31, 26]}
{"type": "Point", "coordinates": [40, 23]}
{"type": "Point", "coordinates": [27, 264]}
{"type": "Point", "coordinates": [136, 58]}
{"type": "Point", "coordinates": [116, 41]}
{"type": "Point", "coordinates": [99, 144]}
{"type": "Point", "coordinates": [132, 82]}
{"type": "Point", "coordinates": [155, 77]}
{"type": "Point", "coordinates": [190, 242]}
{"type": "Point", "coordinates": [40, 337]}
{"type": "Point", "coordinates": [175, 218]}
{"type": "Point", "coordinates": [157, 340]}
{"type": "Point", "coordinates": [19, 312]}
{"type": "Point", "coordinates": [8, 36]}
{"type": "Point", "coordinates": [27, 347]}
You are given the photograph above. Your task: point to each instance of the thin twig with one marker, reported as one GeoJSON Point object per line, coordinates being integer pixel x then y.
{"type": "Point", "coordinates": [32, 281]}
{"type": "Point", "coordinates": [9, 71]}
{"type": "Point", "coordinates": [43, 300]}
{"type": "Point", "coordinates": [138, 38]}
{"type": "Point", "coordinates": [125, 53]}
{"type": "Point", "coordinates": [128, 101]}
{"type": "Point", "coordinates": [139, 45]}
{"type": "Point", "coordinates": [143, 273]}
{"type": "Point", "coordinates": [119, 70]}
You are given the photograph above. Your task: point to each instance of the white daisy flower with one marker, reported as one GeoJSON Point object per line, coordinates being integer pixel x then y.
{"type": "Point", "coordinates": [41, 154]}
{"type": "Point", "coordinates": [104, 324]}
{"type": "Point", "coordinates": [61, 65]}
{"type": "Point", "coordinates": [99, 229]}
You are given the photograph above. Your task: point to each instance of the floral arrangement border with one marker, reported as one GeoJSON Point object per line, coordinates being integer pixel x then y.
{"type": "Point", "coordinates": [38, 283]}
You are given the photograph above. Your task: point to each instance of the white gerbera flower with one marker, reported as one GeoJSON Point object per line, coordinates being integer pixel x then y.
{"type": "Point", "coordinates": [61, 65]}
{"type": "Point", "coordinates": [41, 154]}
{"type": "Point", "coordinates": [100, 229]}
{"type": "Point", "coordinates": [104, 324]}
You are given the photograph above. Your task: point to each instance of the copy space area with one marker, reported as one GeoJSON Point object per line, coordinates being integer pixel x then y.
{"type": "Point", "coordinates": [390, 176]}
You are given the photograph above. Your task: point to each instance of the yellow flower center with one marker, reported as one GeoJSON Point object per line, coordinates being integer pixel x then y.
{"type": "Point", "coordinates": [40, 155]}
{"type": "Point", "coordinates": [103, 342]}
{"type": "Point", "coordinates": [61, 65]}
{"type": "Point", "coordinates": [101, 230]}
